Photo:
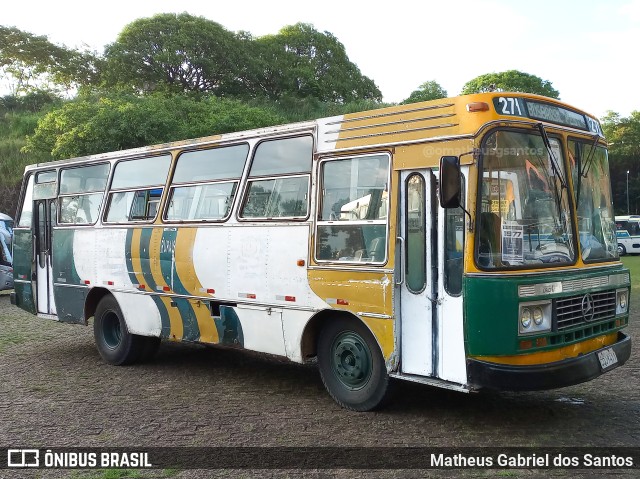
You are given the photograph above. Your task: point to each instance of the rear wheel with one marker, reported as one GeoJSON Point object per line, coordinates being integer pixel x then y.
{"type": "Point", "coordinates": [115, 344]}
{"type": "Point", "coordinates": [351, 365]}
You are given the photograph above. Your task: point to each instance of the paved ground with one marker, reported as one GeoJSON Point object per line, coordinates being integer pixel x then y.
{"type": "Point", "coordinates": [56, 391]}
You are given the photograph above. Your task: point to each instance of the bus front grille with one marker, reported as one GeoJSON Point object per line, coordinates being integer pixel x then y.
{"type": "Point", "coordinates": [584, 308]}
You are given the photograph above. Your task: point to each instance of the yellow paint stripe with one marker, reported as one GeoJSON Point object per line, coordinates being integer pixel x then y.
{"type": "Point", "coordinates": [559, 354]}
{"type": "Point", "coordinates": [175, 320]}
{"type": "Point", "coordinates": [154, 257]}
{"type": "Point", "coordinates": [184, 260]}
{"type": "Point", "coordinates": [206, 324]}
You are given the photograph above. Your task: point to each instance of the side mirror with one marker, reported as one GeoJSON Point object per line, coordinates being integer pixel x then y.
{"type": "Point", "coordinates": [450, 181]}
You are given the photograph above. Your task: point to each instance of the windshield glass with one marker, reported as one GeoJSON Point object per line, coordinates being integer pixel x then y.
{"type": "Point", "coordinates": [596, 223]}
{"type": "Point", "coordinates": [524, 204]}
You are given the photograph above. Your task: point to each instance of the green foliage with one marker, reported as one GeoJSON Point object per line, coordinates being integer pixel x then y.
{"type": "Point", "coordinates": [511, 80]}
{"type": "Point", "coordinates": [430, 90]}
{"type": "Point", "coordinates": [29, 62]}
{"type": "Point", "coordinates": [294, 109]}
{"type": "Point", "coordinates": [174, 52]}
{"type": "Point", "coordinates": [32, 102]}
{"type": "Point", "coordinates": [16, 121]}
{"type": "Point", "coordinates": [120, 122]}
{"type": "Point", "coordinates": [303, 62]}
{"type": "Point", "coordinates": [623, 135]}
{"type": "Point", "coordinates": [183, 53]}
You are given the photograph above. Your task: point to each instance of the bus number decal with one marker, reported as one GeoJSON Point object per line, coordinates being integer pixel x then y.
{"type": "Point", "coordinates": [510, 106]}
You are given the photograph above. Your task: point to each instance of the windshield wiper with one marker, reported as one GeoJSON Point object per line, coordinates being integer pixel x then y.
{"type": "Point", "coordinates": [552, 158]}
{"type": "Point", "coordinates": [556, 171]}
{"type": "Point", "coordinates": [583, 169]}
{"type": "Point", "coordinates": [589, 160]}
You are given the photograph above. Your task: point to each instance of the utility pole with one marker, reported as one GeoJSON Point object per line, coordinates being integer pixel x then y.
{"type": "Point", "coordinates": [627, 192]}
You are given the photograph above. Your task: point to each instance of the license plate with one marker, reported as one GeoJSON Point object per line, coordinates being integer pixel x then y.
{"type": "Point", "coordinates": [607, 358]}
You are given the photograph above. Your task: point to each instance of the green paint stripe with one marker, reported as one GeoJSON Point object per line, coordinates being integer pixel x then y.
{"type": "Point", "coordinates": [191, 331]}
{"type": "Point", "coordinates": [127, 256]}
{"type": "Point", "coordinates": [164, 317]}
{"type": "Point", "coordinates": [145, 259]}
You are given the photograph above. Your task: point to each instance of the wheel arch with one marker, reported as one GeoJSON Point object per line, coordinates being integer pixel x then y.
{"type": "Point", "coordinates": [309, 340]}
{"type": "Point", "coordinates": [92, 300]}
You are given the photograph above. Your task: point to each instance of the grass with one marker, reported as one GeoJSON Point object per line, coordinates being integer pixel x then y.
{"type": "Point", "coordinates": [633, 263]}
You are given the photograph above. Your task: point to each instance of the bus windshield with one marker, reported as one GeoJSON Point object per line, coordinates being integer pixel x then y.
{"type": "Point", "coordinates": [596, 223]}
{"type": "Point", "coordinates": [524, 218]}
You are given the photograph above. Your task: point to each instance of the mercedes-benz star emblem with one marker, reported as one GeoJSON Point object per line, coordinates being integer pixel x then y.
{"type": "Point", "coordinates": [587, 307]}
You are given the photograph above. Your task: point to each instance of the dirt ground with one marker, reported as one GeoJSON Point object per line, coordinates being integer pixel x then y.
{"type": "Point", "coordinates": [55, 391]}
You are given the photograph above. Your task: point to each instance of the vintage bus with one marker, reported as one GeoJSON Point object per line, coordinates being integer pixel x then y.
{"type": "Point", "coordinates": [628, 234]}
{"type": "Point", "coordinates": [465, 243]}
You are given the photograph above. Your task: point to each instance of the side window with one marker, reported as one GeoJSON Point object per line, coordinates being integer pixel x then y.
{"type": "Point", "coordinates": [205, 183]}
{"type": "Point", "coordinates": [81, 193]}
{"type": "Point", "coordinates": [136, 189]}
{"type": "Point", "coordinates": [454, 248]}
{"type": "Point", "coordinates": [26, 212]}
{"type": "Point", "coordinates": [352, 220]}
{"type": "Point", "coordinates": [278, 184]}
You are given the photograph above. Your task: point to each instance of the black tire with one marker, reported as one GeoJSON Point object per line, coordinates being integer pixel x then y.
{"type": "Point", "coordinates": [351, 365]}
{"type": "Point", "coordinates": [114, 342]}
{"type": "Point", "coordinates": [621, 250]}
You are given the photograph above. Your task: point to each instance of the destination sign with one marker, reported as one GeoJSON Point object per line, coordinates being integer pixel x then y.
{"type": "Point", "coordinates": [549, 112]}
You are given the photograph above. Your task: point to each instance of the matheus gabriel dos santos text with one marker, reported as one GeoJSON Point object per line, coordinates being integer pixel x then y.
{"type": "Point", "coordinates": [530, 461]}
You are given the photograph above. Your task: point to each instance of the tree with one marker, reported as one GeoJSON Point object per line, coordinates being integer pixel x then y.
{"type": "Point", "coordinates": [26, 60]}
{"type": "Point", "coordinates": [623, 135]}
{"type": "Point", "coordinates": [302, 62]}
{"type": "Point", "coordinates": [511, 80]}
{"type": "Point", "coordinates": [87, 126]}
{"type": "Point", "coordinates": [430, 90]}
{"type": "Point", "coordinates": [30, 63]}
{"type": "Point", "coordinates": [179, 53]}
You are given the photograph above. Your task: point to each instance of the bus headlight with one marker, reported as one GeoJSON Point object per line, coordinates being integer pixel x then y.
{"type": "Point", "coordinates": [538, 317]}
{"type": "Point", "coordinates": [534, 317]}
{"type": "Point", "coordinates": [622, 301]}
{"type": "Point", "coordinates": [525, 318]}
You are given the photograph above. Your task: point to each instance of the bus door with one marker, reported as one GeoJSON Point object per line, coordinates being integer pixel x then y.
{"type": "Point", "coordinates": [415, 280]}
{"type": "Point", "coordinates": [45, 212]}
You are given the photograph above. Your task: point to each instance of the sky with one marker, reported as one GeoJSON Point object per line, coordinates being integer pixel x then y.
{"type": "Point", "coordinates": [587, 49]}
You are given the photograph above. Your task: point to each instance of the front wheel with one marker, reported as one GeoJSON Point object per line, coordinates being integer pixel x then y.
{"type": "Point", "coordinates": [621, 250]}
{"type": "Point", "coordinates": [351, 365]}
{"type": "Point", "coordinates": [115, 344]}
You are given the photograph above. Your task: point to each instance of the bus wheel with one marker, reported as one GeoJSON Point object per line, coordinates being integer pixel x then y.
{"type": "Point", "coordinates": [621, 250]}
{"type": "Point", "coordinates": [115, 344]}
{"type": "Point", "coordinates": [351, 365]}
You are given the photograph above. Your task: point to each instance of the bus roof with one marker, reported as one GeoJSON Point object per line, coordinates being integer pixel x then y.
{"type": "Point", "coordinates": [447, 118]}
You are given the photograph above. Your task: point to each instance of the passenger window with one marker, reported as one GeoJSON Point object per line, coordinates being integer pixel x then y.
{"type": "Point", "coordinates": [81, 193]}
{"type": "Point", "coordinates": [136, 189]}
{"type": "Point", "coordinates": [353, 220]}
{"type": "Point", "coordinates": [205, 183]}
{"type": "Point", "coordinates": [26, 212]}
{"type": "Point", "coordinates": [278, 185]}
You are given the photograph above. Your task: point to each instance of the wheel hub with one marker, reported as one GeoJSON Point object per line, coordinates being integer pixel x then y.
{"type": "Point", "coordinates": [351, 360]}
